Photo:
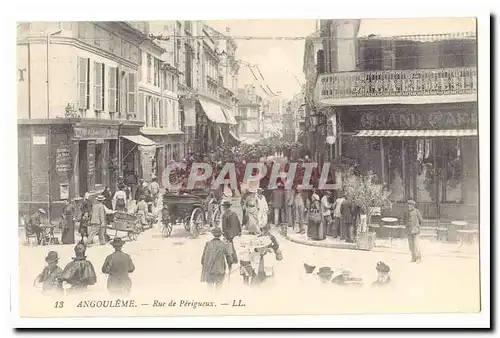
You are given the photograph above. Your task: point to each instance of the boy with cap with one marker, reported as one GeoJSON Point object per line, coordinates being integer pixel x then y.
{"type": "Point", "coordinates": [50, 274]}
{"type": "Point", "coordinates": [383, 277]}
{"type": "Point", "coordinates": [215, 256]}
{"type": "Point", "coordinates": [117, 266]}
{"type": "Point", "coordinates": [413, 220]}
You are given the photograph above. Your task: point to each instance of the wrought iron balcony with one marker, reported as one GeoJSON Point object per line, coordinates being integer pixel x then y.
{"type": "Point", "coordinates": [397, 83]}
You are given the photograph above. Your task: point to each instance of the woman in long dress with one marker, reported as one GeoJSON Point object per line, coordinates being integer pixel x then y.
{"type": "Point", "coordinates": [314, 214]}
{"type": "Point", "coordinates": [68, 218]}
{"type": "Point", "coordinates": [252, 208]}
{"type": "Point", "coordinates": [263, 208]}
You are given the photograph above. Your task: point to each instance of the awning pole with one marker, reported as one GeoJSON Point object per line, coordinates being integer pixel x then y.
{"type": "Point", "coordinates": [131, 150]}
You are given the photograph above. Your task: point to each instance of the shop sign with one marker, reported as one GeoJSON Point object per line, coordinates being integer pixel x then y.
{"type": "Point", "coordinates": [95, 132]}
{"type": "Point", "coordinates": [39, 140]}
{"type": "Point", "coordinates": [63, 159]}
{"type": "Point", "coordinates": [431, 120]}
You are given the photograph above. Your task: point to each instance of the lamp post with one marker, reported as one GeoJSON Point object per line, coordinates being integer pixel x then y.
{"type": "Point", "coordinates": [47, 69]}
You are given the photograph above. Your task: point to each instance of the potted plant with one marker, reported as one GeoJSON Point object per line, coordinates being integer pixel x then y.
{"type": "Point", "coordinates": [367, 195]}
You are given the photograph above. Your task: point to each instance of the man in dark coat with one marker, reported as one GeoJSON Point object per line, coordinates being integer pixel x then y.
{"type": "Point", "coordinates": [347, 219]}
{"type": "Point", "coordinates": [117, 266]}
{"type": "Point", "coordinates": [413, 221]}
{"type": "Point", "coordinates": [214, 259]}
{"type": "Point", "coordinates": [231, 227]}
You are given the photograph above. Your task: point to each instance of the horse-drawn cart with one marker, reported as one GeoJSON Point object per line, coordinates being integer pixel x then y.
{"type": "Point", "coordinates": [186, 209]}
{"type": "Point", "coordinates": [124, 222]}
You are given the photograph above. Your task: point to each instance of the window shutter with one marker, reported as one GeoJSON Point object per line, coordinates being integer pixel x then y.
{"type": "Point", "coordinates": [112, 89]}
{"type": "Point", "coordinates": [141, 108]}
{"type": "Point", "coordinates": [98, 86]}
{"type": "Point", "coordinates": [131, 93]}
{"type": "Point", "coordinates": [123, 92]}
{"type": "Point", "coordinates": [82, 85]}
{"type": "Point", "coordinates": [165, 113]}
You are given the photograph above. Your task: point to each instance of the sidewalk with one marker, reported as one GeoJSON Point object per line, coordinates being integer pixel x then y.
{"type": "Point", "coordinates": [429, 247]}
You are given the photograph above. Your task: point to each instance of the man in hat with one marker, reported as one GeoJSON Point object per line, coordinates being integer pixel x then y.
{"type": "Point", "coordinates": [98, 220]}
{"type": "Point", "coordinates": [117, 266]}
{"type": "Point", "coordinates": [34, 224]}
{"type": "Point", "coordinates": [79, 273]}
{"type": "Point", "coordinates": [141, 210]}
{"type": "Point", "coordinates": [155, 191]}
{"type": "Point", "coordinates": [325, 274]}
{"type": "Point", "coordinates": [413, 220]}
{"type": "Point", "coordinates": [214, 259]}
{"type": "Point", "coordinates": [289, 203]}
{"type": "Point", "coordinates": [383, 277]}
{"type": "Point", "coordinates": [231, 227]}
{"type": "Point", "coordinates": [50, 274]}
{"type": "Point", "coordinates": [278, 203]}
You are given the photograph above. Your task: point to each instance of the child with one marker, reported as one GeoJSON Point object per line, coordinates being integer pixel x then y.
{"type": "Point", "coordinates": [50, 274]}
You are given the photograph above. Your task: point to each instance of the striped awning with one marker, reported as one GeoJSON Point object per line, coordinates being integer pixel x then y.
{"type": "Point", "coordinates": [418, 133]}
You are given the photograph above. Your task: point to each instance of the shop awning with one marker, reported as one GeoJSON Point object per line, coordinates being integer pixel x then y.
{"type": "Point", "coordinates": [213, 111]}
{"type": "Point", "coordinates": [140, 140]}
{"type": "Point", "coordinates": [233, 135]}
{"type": "Point", "coordinates": [417, 133]}
{"type": "Point", "coordinates": [229, 117]}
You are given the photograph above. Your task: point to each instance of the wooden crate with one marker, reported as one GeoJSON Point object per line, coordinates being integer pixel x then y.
{"type": "Point", "coordinates": [366, 241]}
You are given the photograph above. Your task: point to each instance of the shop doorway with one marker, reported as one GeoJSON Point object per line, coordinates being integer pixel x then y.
{"type": "Point", "coordinates": [82, 162]}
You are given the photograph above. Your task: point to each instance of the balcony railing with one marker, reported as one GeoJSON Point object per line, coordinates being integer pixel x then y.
{"type": "Point", "coordinates": [394, 83]}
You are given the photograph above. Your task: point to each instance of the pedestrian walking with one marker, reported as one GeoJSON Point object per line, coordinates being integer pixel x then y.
{"type": "Point", "coordinates": [231, 228]}
{"type": "Point", "coordinates": [278, 202]}
{"type": "Point", "coordinates": [243, 201]}
{"type": "Point", "coordinates": [413, 220]}
{"type": "Point", "coordinates": [315, 218]}
{"type": "Point", "coordinates": [155, 191]}
{"type": "Point", "coordinates": [289, 206]}
{"type": "Point", "coordinates": [215, 260]}
{"type": "Point", "coordinates": [338, 228]}
{"type": "Point", "coordinates": [120, 200]}
{"type": "Point", "coordinates": [108, 203]}
{"type": "Point", "coordinates": [347, 219]}
{"type": "Point", "coordinates": [263, 208]}
{"type": "Point", "coordinates": [68, 223]}
{"type": "Point", "coordinates": [299, 209]}
{"type": "Point", "coordinates": [118, 266]}
{"type": "Point", "coordinates": [141, 211]}
{"type": "Point", "coordinates": [50, 275]}
{"type": "Point", "coordinates": [79, 273]}
{"type": "Point", "coordinates": [253, 214]}
{"type": "Point", "coordinates": [326, 212]}
{"type": "Point", "coordinates": [98, 221]}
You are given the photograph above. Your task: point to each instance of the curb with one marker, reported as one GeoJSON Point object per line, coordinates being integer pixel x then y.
{"type": "Point", "coordinates": [351, 246]}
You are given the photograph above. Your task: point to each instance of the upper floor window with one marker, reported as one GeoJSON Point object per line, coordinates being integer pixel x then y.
{"type": "Point", "coordinates": [150, 65]}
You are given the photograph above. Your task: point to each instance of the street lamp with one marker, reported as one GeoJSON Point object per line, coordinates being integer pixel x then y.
{"type": "Point", "coordinates": [47, 69]}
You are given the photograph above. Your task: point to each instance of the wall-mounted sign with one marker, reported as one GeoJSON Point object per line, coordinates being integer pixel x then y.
{"type": "Point", "coordinates": [39, 140]}
{"type": "Point", "coordinates": [63, 159]}
{"type": "Point", "coordinates": [96, 132]}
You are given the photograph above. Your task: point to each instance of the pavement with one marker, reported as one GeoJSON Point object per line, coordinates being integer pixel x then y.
{"type": "Point", "coordinates": [170, 269]}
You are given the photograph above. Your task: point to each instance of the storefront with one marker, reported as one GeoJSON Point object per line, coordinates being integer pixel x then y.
{"type": "Point", "coordinates": [428, 153]}
{"type": "Point", "coordinates": [169, 147]}
{"type": "Point", "coordinates": [138, 159]}
{"type": "Point", "coordinates": [64, 159]}
{"type": "Point", "coordinates": [211, 126]}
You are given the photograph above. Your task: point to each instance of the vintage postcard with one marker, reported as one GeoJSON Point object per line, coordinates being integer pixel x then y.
{"type": "Point", "coordinates": [248, 167]}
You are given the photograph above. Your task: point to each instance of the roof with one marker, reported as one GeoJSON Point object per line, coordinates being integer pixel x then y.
{"type": "Point", "coordinates": [418, 28]}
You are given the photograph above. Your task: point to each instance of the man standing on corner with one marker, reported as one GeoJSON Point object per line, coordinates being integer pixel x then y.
{"type": "Point", "coordinates": [98, 220]}
{"type": "Point", "coordinates": [413, 220]}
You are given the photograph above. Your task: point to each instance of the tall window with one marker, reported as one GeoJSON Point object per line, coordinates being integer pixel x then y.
{"type": "Point", "coordinates": [189, 65]}
{"type": "Point", "coordinates": [452, 170]}
{"type": "Point", "coordinates": [150, 65]}
{"type": "Point", "coordinates": [98, 86]}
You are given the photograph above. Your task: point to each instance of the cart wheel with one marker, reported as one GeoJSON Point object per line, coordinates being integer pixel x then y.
{"type": "Point", "coordinates": [133, 235]}
{"type": "Point", "coordinates": [196, 222]}
{"type": "Point", "coordinates": [166, 230]}
{"type": "Point", "coordinates": [186, 223]}
{"type": "Point", "coordinates": [215, 218]}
